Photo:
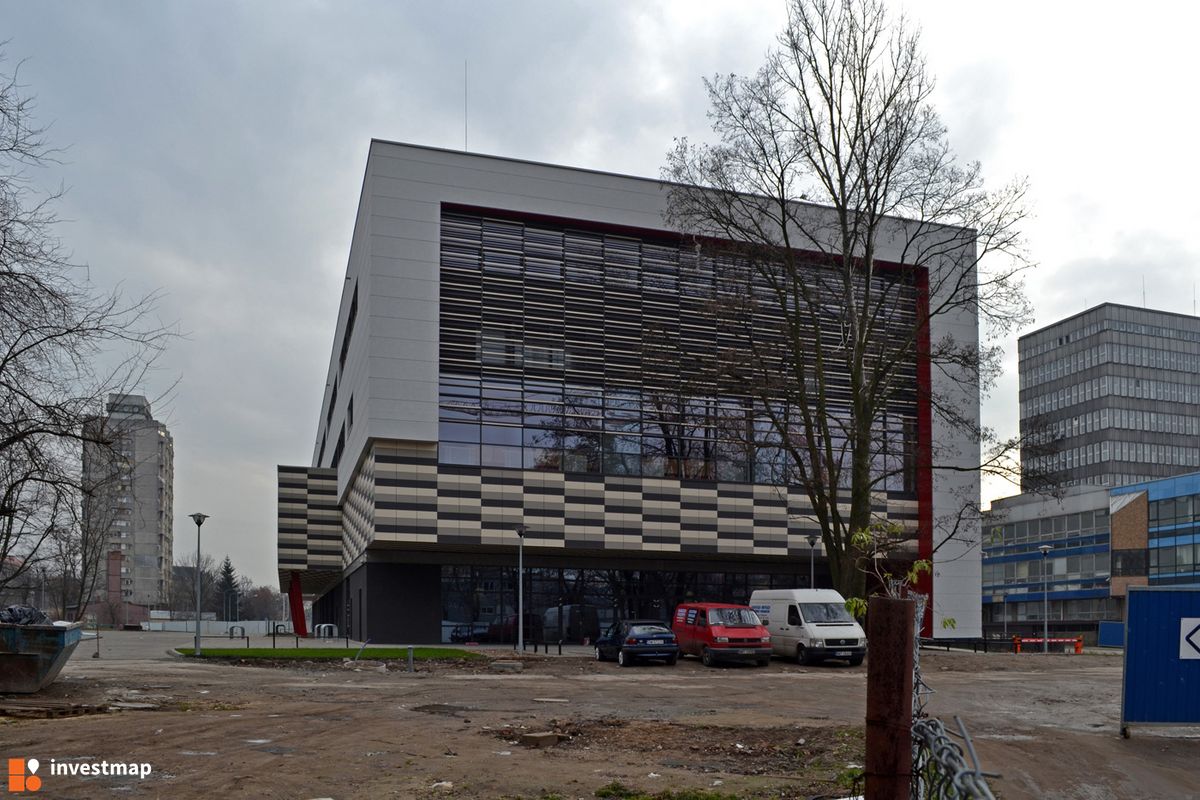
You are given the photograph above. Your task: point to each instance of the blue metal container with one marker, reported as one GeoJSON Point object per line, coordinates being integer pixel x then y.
{"type": "Point", "coordinates": [1112, 634]}
{"type": "Point", "coordinates": [1162, 657]}
{"type": "Point", "coordinates": [31, 656]}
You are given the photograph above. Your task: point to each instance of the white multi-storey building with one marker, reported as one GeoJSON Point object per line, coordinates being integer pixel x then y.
{"type": "Point", "coordinates": [486, 374]}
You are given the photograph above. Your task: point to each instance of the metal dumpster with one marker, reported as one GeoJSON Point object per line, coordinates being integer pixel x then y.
{"type": "Point", "coordinates": [31, 656]}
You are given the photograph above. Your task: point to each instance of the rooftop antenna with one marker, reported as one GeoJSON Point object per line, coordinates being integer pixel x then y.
{"type": "Point", "coordinates": [464, 105]}
{"type": "Point", "coordinates": [1143, 290]}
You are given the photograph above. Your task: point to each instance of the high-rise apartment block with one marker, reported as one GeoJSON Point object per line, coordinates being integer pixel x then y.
{"type": "Point", "coordinates": [130, 502]}
{"type": "Point", "coordinates": [1118, 388]}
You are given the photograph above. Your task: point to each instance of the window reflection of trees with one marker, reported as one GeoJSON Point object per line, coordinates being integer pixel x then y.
{"type": "Point", "coordinates": [536, 319]}
{"type": "Point", "coordinates": [557, 427]}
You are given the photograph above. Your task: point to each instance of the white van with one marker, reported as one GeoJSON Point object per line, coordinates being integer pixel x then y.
{"type": "Point", "coordinates": [810, 625]}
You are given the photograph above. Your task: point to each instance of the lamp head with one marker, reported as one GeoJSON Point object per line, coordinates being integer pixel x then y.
{"type": "Point", "coordinates": [521, 531]}
{"type": "Point", "coordinates": [199, 519]}
{"type": "Point", "coordinates": [812, 539]}
{"type": "Point", "coordinates": [1045, 548]}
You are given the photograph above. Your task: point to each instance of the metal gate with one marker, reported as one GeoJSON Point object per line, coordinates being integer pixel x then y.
{"type": "Point", "coordinates": [1161, 680]}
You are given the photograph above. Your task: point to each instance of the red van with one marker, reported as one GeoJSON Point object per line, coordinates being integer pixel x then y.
{"type": "Point", "coordinates": [721, 632]}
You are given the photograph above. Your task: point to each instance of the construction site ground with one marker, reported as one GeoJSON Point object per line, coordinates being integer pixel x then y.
{"type": "Point", "coordinates": [1049, 725]}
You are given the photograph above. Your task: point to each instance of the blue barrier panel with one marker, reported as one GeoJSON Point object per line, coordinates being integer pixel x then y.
{"type": "Point", "coordinates": [1112, 634]}
{"type": "Point", "coordinates": [1161, 682]}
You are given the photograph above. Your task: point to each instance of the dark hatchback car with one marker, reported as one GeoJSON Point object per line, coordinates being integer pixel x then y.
{"type": "Point", "coordinates": [633, 640]}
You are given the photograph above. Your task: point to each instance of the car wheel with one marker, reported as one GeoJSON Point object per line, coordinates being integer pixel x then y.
{"type": "Point", "coordinates": [671, 660]}
{"type": "Point", "coordinates": [856, 661]}
{"type": "Point", "coordinates": [762, 662]}
{"type": "Point", "coordinates": [801, 655]}
{"type": "Point", "coordinates": [707, 658]}
{"type": "Point", "coordinates": [623, 659]}
{"type": "Point", "coordinates": [600, 655]}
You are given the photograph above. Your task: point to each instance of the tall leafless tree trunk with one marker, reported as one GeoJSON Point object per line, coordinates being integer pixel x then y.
{"type": "Point", "coordinates": [822, 335]}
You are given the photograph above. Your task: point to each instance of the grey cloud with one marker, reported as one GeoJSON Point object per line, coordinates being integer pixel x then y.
{"type": "Point", "coordinates": [1166, 264]}
{"type": "Point", "coordinates": [216, 152]}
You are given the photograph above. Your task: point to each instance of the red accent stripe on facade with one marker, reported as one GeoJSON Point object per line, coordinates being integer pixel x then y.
{"type": "Point", "coordinates": [296, 601]}
{"type": "Point", "coordinates": [924, 447]}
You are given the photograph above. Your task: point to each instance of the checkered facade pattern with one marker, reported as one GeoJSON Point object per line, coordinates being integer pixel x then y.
{"type": "Point", "coordinates": [400, 494]}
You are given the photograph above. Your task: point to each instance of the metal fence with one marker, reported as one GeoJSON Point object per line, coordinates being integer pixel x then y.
{"type": "Point", "coordinates": [940, 768]}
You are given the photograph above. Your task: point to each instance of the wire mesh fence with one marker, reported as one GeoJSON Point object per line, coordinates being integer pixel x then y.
{"type": "Point", "coordinates": [942, 768]}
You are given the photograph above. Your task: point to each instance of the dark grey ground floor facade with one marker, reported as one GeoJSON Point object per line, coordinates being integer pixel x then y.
{"type": "Point", "coordinates": [428, 597]}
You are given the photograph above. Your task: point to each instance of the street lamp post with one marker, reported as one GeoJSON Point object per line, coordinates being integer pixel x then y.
{"type": "Point", "coordinates": [231, 609]}
{"type": "Point", "coordinates": [199, 520]}
{"type": "Point", "coordinates": [812, 549]}
{"type": "Point", "coordinates": [1045, 550]}
{"type": "Point", "coordinates": [521, 531]}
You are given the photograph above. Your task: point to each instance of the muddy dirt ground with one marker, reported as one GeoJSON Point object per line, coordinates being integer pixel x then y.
{"type": "Point", "coordinates": [1047, 724]}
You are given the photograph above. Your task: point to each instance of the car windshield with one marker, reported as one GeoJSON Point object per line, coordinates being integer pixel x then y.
{"type": "Point", "coordinates": [825, 612]}
{"type": "Point", "coordinates": [649, 630]}
{"type": "Point", "coordinates": [732, 616]}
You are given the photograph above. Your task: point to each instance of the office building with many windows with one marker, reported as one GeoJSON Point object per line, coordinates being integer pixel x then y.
{"type": "Point", "coordinates": [1118, 389]}
{"type": "Point", "coordinates": [493, 372]}
{"type": "Point", "coordinates": [1070, 583]}
{"type": "Point", "coordinates": [1156, 533]}
{"type": "Point", "coordinates": [129, 502]}
{"type": "Point", "coordinates": [1115, 393]}
{"type": "Point", "coordinates": [1102, 541]}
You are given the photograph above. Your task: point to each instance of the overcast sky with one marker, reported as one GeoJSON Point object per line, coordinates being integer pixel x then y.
{"type": "Point", "coordinates": [216, 152]}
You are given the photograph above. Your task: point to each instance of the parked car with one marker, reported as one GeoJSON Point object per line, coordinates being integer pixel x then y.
{"type": "Point", "coordinates": [719, 632]}
{"type": "Point", "coordinates": [810, 625]}
{"type": "Point", "coordinates": [631, 640]}
{"type": "Point", "coordinates": [469, 632]}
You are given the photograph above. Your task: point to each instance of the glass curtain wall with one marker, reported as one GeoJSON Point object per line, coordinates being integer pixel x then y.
{"type": "Point", "coordinates": [574, 605]}
{"type": "Point", "coordinates": [590, 352]}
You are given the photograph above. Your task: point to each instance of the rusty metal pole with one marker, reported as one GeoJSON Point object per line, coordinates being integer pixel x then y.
{"type": "Point", "coordinates": [890, 633]}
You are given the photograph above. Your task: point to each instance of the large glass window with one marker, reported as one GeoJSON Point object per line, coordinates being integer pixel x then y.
{"type": "Point", "coordinates": [566, 349]}
{"type": "Point", "coordinates": [573, 605]}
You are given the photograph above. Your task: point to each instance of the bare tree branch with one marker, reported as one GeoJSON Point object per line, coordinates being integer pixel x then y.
{"type": "Point", "coordinates": [64, 346]}
{"type": "Point", "coordinates": [823, 334]}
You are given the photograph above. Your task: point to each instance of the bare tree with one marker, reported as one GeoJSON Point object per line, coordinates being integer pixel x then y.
{"type": "Point", "coordinates": [64, 346]}
{"type": "Point", "coordinates": [825, 310]}
{"type": "Point", "coordinates": [182, 598]}
{"type": "Point", "coordinates": [260, 602]}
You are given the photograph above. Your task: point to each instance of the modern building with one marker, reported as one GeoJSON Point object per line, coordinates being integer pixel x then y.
{"type": "Point", "coordinates": [1156, 533]}
{"type": "Point", "coordinates": [488, 378]}
{"type": "Point", "coordinates": [130, 503]}
{"type": "Point", "coordinates": [1069, 583]}
{"type": "Point", "coordinates": [1102, 541]}
{"type": "Point", "coordinates": [1118, 388]}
